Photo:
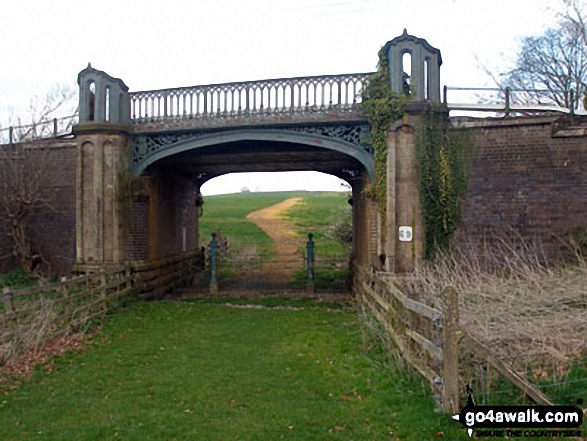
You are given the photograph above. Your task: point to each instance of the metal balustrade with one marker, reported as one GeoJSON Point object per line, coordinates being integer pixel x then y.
{"type": "Point", "coordinates": [266, 97]}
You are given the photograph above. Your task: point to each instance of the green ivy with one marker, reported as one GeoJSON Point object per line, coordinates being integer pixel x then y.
{"type": "Point", "coordinates": [381, 106]}
{"type": "Point", "coordinates": [443, 158]}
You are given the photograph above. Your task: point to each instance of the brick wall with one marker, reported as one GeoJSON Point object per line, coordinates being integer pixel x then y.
{"type": "Point", "coordinates": [529, 176]}
{"type": "Point", "coordinates": [52, 230]}
{"type": "Point", "coordinates": [173, 215]}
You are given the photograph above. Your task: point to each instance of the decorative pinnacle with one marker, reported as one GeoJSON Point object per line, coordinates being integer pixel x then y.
{"type": "Point", "coordinates": [405, 32]}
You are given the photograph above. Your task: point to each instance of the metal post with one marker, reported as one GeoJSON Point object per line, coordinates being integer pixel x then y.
{"type": "Point", "coordinates": [310, 248]}
{"type": "Point", "coordinates": [507, 101]}
{"type": "Point", "coordinates": [213, 257]}
{"type": "Point", "coordinates": [10, 134]}
{"type": "Point", "coordinates": [54, 127]}
{"type": "Point", "coordinates": [444, 95]}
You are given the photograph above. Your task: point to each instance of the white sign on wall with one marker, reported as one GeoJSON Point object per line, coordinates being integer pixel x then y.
{"type": "Point", "coordinates": [405, 234]}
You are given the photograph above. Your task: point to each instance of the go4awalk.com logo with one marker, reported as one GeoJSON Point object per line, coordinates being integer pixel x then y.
{"type": "Point", "coordinates": [521, 421]}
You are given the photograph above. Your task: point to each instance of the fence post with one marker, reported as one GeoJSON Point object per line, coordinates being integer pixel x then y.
{"type": "Point", "coordinates": [8, 304]}
{"type": "Point", "coordinates": [450, 350]}
{"type": "Point", "coordinates": [507, 101]}
{"type": "Point", "coordinates": [213, 257]}
{"type": "Point", "coordinates": [310, 247]}
{"type": "Point", "coordinates": [65, 302]}
{"type": "Point", "coordinates": [10, 134]}
{"type": "Point", "coordinates": [128, 277]}
{"type": "Point", "coordinates": [54, 127]}
{"type": "Point", "coordinates": [104, 295]}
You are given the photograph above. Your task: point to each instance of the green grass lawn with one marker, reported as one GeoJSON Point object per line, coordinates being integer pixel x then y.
{"type": "Point", "coordinates": [227, 214]}
{"type": "Point", "coordinates": [205, 371]}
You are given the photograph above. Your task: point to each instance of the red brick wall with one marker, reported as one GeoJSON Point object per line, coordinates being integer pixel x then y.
{"type": "Point", "coordinates": [51, 230]}
{"type": "Point", "coordinates": [526, 179]}
{"type": "Point", "coordinates": [172, 210]}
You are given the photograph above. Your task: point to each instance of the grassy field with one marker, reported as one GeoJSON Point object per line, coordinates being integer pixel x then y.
{"type": "Point", "coordinates": [227, 214]}
{"type": "Point", "coordinates": [315, 214]}
{"type": "Point", "coordinates": [205, 371]}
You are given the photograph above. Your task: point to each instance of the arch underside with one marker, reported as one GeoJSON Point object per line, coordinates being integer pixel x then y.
{"type": "Point", "coordinates": [338, 149]}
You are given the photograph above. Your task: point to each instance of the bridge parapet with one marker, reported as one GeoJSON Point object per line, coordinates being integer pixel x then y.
{"type": "Point", "coordinates": [307, 97]}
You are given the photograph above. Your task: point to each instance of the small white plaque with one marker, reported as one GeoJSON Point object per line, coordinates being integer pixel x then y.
{"type": "Point", "coordinates": [405, 234]}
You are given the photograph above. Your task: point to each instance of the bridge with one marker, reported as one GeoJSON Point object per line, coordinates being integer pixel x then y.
{"type": "Point", "coordinates": [172, 141]}
{"type": "Point", "coordinates": [142, 157]}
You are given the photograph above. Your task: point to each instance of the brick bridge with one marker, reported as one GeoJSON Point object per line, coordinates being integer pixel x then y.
{"type": "Point", "coordinates": [140, 159]}
{"type": "Point", "coordinates": [174, 140]}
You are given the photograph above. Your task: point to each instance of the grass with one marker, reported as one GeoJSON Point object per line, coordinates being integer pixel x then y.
{"type": "Point", "coordinates": [16, 279]}
{"type": "Point", "coordinates": [227, 214]}
{"type": "Point", "coordinates": [315, 214]}
{"type": "Point", "coordinates": [203, 371]}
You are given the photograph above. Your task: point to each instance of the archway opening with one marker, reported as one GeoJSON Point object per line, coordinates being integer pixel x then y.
{"type": "Point", "coordinates": [261, 224]}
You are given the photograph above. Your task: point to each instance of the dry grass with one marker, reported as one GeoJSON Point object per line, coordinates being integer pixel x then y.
{"type": "Point", "coordinates": [30, 331]}
{"type": "Point", "coordinates": [532, 314]}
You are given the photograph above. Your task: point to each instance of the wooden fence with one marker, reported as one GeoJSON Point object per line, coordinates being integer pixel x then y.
{"type": "Point", "coordinates": [43, 312]}
{"type": "Point", "coordinates": [431, 340]}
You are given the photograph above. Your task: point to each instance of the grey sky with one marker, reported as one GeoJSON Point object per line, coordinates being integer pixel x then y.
{"type": "Point", "coordinates": [152, 45]}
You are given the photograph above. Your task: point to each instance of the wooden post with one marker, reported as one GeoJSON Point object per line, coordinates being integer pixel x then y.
{"type": "Point", "coordinates": [104, 294]}
{"type": "Point", "coordinates": [65, 303]}
{"type": "Point", "coordinates": [128, 276]}
{"type": "Point", "coordinates": [450, 351]}
{"type": "Point", "coordinates": [8, 303]}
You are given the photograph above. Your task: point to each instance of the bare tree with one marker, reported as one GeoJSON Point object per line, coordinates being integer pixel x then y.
{"type": "Point", "coordinates": [24, 191]}
{"type": "Point", "coordinates": [27, 175]}
{"type": "Point", "coordinates": [57, 112]}
{"type": "Point", "coordinates": [555, 62]}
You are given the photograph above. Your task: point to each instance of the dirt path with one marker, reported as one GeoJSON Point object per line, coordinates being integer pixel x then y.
{"type": "Point", "coordinates": [271, 220]}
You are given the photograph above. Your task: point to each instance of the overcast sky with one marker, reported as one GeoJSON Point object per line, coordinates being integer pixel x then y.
{"type": "Point", "coordinates": [153, 45]}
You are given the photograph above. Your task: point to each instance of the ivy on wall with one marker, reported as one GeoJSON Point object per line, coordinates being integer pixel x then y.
{"type": "Point", "coordinates": [443, 161]}
{"type": "Point", "coordinates": [381, 106]}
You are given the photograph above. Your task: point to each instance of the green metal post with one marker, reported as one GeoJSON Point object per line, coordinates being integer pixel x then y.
{"type": "Point", "coordinates": [213, 259]}
{"type": "Point", "coordinates": [310, 248]}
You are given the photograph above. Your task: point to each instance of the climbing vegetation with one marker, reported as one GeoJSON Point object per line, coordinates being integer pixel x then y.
{"type": "Point", "coordinates": [381, 106]}
{"type": "Point", "coordinates": [443, 162]}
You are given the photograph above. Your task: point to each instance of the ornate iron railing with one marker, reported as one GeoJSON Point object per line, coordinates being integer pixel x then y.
{"type": "Point", "coordinates": [249, 98]}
